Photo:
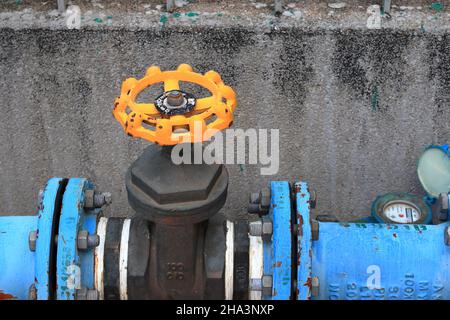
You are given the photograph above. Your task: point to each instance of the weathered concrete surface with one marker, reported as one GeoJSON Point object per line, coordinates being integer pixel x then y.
{"type": "Point", "coordinates": [355, 107]}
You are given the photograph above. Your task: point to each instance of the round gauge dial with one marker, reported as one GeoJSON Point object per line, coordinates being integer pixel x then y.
{"type": "Point", "coordinates": [401, 208]}
{"type": "Point", "coordinates": [401, 212]}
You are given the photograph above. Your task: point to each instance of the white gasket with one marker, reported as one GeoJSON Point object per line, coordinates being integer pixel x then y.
{"type": "Point", "coordinates": [99, 258]}
{"type": "Point", "coordinates": [256, 265]}
{"type": "Point", "coordinates": [123, 260]}
{"type": "Point", "coordinates": [229, 261]}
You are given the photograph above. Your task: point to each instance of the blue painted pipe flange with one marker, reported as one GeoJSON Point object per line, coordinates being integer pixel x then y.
{"type": "Point", "coordinates": [75, 258]}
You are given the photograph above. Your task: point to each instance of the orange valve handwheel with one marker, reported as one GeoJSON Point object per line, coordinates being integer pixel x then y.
{"type": "Point", "coordinates": [175, 115]}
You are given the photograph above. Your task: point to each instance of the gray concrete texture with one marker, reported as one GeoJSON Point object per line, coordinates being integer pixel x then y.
{"type": "Point", "coordinates": [355, 107]}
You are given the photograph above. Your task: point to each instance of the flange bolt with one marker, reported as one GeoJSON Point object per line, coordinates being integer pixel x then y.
{"type": "Point", "coordinates": [312, 198]}
{"type": "Point", "coordinates": [447, 236]}
{"type": "Point", "coordinates": [443, 206]}
{"type": "Point", "coordinates": [259, 202]}
{"type": "Point", "coordinates": [86, 294]}
{"type": "Point", "coordinates": [260, 228]}
{"type": "Point", "coordinates": [267, 282]}
{"type": "Point", "coordinates": [32, 238]}
{"type": "Point", "coordinates": [94, 199]}
{"type": "Point", "coordinates": [32, 292]}
{"type": "Point", "coordinates": [87, 241]}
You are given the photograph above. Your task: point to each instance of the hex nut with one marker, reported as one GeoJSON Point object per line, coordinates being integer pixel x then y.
{"type": "Point", "coordinates": [89, 199]}
{"type": "Point", "coordinates": [265, 200]}
{"type": "Point", "coordinates": [40, 200]}
{"type": "Point", "coordinates": [93, 240]}
{"type": "Point", "coordinates": [267, 281]}
{"type": "Point", "coordinates": [443, 201]}
{"type": "Point", "coordinates": [312, 198]}
{"type": "Point", "coordinates": [447, 236]}
{"type": "Point", "coordinates": [255, 228]}
{"type": "Point", "coordinates": [86, 241]}
{"type": "Point", "coordinates": [32, 292]}
{"type": "Point", "coordinates": [443, 207]}
{"type": "Point", "coordinates": [94, 199]}
{"type": "Point", "coordinates": [86, 294]}
{"type": "Point", "coordinates": [32, 238]}
{"type": "Point", "coordinates": [255, 284]}
{"type": "Point", "coordinates": [254, 198]}
{"type": "Point", "coordinates": [259, 203]}
{"type": "Point", "coordinates": [101, 199]}
{"type": "Point", "coordinates": [315, 286]}
{"type": "Point", "coordinates": [267, 228]}
{"type": "Point", "coordinates": [314, 230]}
{"type": "Point", "coordinates": [92, 295]}
{"type": "Point", "coordinates": [260, 228]}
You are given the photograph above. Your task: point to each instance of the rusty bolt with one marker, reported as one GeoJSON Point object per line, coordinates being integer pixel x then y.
{"type": "Point", "coordinates": [447, 236]}
{"type": "Point", "coordinates": [32, 238]}
{"type": "Point", "coordinates": [265, 200]}
{"type": "Point", "coordinates": [312, 198]}
{"type": "Point", "coordinates": [101, 199]}
{"type": "Point", "coordinates": [259, 202]}
{"type": "Point", "coordinates": [254, 198]}
{"type": "Point", "coordinates": [315, 230]}
{"type": "Point", "coordinates": [443, 206]}
{"type": "Point", "coordinates": [32, 292]}
{"type": "Point", "coordinates": [86, 294]}
{"type": "Point", "coordinates": [315, 287]}
{"type": "Point", "coordinates": [94, 199]}
{"type": "Point", "coordinates": [89, 199]}
{"type": "Point", "coordinates": [40, 199]}
{"type": "Point", "coordinates": [266, 282]}
{"type": "Point", "coordinates": [175, 98]}
{"type": "Point", "coordinates": [86, 240]}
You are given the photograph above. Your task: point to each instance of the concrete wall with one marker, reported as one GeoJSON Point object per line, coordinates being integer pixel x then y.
{"type": "Point", "coordinates": [354, 107]}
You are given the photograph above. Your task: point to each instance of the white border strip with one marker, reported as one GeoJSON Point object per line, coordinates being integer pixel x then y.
{"type": "Point", "coordinates": [256, 265]}
{"type": "Point", "coordinates": [229, 261]}
{"type": "Point", "coordinates": [123, 260]}
{"type": "Point", "coordinates": [99, 258]}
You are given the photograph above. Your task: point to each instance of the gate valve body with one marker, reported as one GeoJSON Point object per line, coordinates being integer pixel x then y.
{"type": "Point", "coordinates": [172, 117]}
{"type": "Point", "coordinates": [184, 257]}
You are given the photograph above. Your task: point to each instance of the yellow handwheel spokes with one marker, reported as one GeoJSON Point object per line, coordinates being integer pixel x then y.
{"type": "Point", "coordinates": [172, 118]}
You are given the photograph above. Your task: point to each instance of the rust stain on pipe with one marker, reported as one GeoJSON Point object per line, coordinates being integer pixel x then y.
{"type": "Point", "coordinates": [6, 296]}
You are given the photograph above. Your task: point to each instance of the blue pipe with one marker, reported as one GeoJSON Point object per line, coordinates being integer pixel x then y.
{"type": "Point", "coordinates": [381, 261]}
{"type": "Point", "coordinates": [21, 268]}
{"type": "Point", "coordinates": [370, 260]}
{"type": "Point", "coordinates": [17, 262]}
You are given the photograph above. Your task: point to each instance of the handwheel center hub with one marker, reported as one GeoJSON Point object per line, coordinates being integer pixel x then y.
{"type": "Point", "coordinates": [175, 102]}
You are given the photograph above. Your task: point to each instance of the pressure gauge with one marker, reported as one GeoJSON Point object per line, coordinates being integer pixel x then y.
{"type": "Point", "coordinates": [401, 208]}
